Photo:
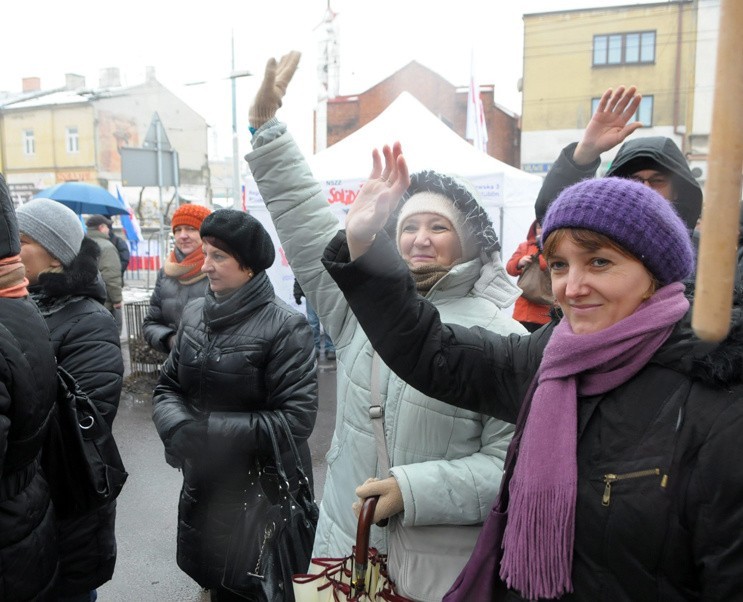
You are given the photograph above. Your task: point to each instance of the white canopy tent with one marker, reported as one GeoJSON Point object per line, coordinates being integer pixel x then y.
{"type": "Point", "coordinates": [507, 193]}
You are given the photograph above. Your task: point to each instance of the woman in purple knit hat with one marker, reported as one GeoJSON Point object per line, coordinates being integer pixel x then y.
{"type": "Point", "coordinates": [622, 481]}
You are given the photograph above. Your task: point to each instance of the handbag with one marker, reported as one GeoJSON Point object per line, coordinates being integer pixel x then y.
{"type": "Point", "coordinates": [273, 536]}
{"type": "Point", "coordinates": [423, 562]}
{"type": "Point", "coordinates": [536, 283]}
{"type": "Point", "coordinates": [80, 459]}
{"type": "Point", "coordinates": [360, 576]}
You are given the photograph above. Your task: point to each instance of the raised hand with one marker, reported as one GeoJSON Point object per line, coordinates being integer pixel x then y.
{"type": "Point", "coordinates": [275, 81]}
{"type": "Point", "coordinates": [610, 124]}
{"type": "Point", "coordinates": [377, 199]}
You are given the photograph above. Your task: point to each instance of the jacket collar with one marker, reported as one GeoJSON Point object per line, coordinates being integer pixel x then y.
{"type": "Point", "coordinates": [221, 313]}
{"type": "Point", "coordinates": [81, 278]}
{"type": "Point", "coordinates": [717, 364]}
{"type": "Point", "coordinates": [484, 276]}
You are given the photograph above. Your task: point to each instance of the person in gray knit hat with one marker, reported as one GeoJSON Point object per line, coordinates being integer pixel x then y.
{"type": "Point", "coordinates": [66, 285]}
{"type": "Point", "coordinates": [55, 227]}
{"type": "Point", "coordinates": [239, 352]}
{"type": "Point", "coordinates": [619, 478]}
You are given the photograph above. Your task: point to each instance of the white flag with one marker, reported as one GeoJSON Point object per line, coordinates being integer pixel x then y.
{"type": "Point", "coordinates": [477, 130]}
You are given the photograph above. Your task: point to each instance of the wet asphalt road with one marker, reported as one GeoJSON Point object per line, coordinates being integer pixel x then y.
{"type": "Point", "coordinates": [146, 569]}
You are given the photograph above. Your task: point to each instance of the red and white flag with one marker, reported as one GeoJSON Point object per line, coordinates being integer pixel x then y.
{"type": "Point", "coordinates": [477, 130]}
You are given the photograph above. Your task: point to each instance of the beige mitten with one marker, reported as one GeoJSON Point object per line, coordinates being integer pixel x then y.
{"type": "Point", "coordinates": [275, 80]}
{"type": "Point", "coordinates": [390, 497]}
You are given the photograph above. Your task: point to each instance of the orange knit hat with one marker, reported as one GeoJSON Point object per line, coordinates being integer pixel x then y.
{"type": "Point", "coordinates": [189, 215]}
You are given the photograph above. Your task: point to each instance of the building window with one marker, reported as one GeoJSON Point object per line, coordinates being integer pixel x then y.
{"type": "Point", "coordinates": [624, 48]}
{"type": "Point", "coordinates": [644, 112]}
{"type": "Point", "coordinates": [72, 139]}
{"type": "Point", "coordinates": [29, 143]}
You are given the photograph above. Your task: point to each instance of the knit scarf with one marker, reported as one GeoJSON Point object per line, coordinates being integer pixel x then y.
{"type": "Point", "coordinates": [13, 281]}
{"type": "Point", "coordinates": [186, 270]}
{"type": "Point", "coordinates": [426, 276]}
{"type": "Point", "coordinates": [539, 536]}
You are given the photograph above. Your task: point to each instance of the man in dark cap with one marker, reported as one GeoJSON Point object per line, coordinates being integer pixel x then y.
{"type": "Point", "coordinates": [109, 264]}
{"type": "Point", "coordinates": [655, 161]}
{"type": "Point", "coordinates": [122, 248]}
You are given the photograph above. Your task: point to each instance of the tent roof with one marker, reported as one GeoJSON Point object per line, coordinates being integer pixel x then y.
{"type": "Point", "coordinates": [427, 143]}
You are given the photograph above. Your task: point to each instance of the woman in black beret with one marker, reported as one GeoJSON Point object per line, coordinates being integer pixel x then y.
{"type": "Point", "coordinates": [239, 351]}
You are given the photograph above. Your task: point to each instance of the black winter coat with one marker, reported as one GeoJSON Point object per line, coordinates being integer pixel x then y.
{"type": "Point", "coordinates": [28, 387]}
{"type": "Point", "coordinates": [86, 343]}
{"type": "Point", "coordinates": [233, 359]}
{"type": "Point", "coordinates": [646, 538]}
{"type": "Point", "coordinates": [166, 306]}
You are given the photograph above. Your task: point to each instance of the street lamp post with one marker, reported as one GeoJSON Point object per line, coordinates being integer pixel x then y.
{"type": "Point", "coordinates": [235, 146]}
{"type": "Point", "coordinates": [233, 76]}
{"type": "Point", "coordinates": [236, 183]}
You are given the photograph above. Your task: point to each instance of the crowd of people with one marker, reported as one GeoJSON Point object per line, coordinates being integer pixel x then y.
{"type": "Point", "coordinates": [576, 449]}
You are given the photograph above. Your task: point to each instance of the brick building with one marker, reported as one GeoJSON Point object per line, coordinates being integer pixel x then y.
{"type": "Point", "coordinates": [346, 114]}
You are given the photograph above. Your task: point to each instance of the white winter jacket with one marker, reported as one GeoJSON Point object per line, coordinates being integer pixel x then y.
{"type": "Point", "coordinates": [448, 462]}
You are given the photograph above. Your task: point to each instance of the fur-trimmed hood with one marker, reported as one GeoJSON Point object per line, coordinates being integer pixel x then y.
{"type": "Point", "coordinates": [81, 278]}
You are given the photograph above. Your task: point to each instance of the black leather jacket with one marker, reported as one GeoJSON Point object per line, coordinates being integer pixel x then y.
{"type": "Point", "coordinates": [682, 414]}
{"type": "Point", "coordinates": [232, 359]}
{"type": "Point", "coordinates": [166, 306]}
{"type": "Point", "coordinates": [86, 343]}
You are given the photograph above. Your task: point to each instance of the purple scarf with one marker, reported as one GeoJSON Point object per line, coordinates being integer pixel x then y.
{"type": "Point", "coordinates": [538, 541]}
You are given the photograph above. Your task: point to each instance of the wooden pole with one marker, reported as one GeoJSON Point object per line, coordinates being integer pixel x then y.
{"type": "Point", "coordinates": [719, 232]}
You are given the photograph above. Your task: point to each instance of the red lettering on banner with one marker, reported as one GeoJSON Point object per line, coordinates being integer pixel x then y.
{"type": "Point", "coordinates": [344, 196]}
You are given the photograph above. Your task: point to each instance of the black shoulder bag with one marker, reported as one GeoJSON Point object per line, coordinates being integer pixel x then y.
{"type": "Point", "coordinates": [272, 540]}
{"type": "Point", "coordinates": [80, 458]}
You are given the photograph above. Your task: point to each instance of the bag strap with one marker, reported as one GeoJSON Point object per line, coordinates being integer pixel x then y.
{"type": "Point", "coordinates": [284, 425]}
{"type": "Point", "coordinates": [276, 450]}
{"type": "Point", "coordinates": [376, 414]}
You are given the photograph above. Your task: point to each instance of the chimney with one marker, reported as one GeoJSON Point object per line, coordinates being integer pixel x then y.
{"type": "Point", "coordinates": [149, 76]}
{"type": "Point", "coordinates": [109, 78]}
{"type": "Point", "coordinates": [73, 81]}
{"type": "Point", "coordinates": [31, 84]}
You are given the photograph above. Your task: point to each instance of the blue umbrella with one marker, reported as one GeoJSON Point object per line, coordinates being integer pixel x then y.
{"type": "Point", "coordinates": [84, 198]}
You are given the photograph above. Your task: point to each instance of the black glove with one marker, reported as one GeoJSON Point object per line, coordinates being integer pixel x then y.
{"type": "Point", "coordinates": [298, 299]}
{"type": "Point", "coordinates": [189, 440]}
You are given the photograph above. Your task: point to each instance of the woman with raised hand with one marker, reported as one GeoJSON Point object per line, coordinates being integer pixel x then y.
{"type": "Point", "coordinates": [619, 481]}
{"type": "Point", "coordinates": [445, 464]}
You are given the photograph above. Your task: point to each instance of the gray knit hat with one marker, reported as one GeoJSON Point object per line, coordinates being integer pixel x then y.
{"type": "Point", "coordinates": [52, 225]}
{"type": "Point", "coordinates": [631, 214]}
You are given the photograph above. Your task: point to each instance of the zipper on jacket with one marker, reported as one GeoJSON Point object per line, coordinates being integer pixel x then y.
{"type": "Point", "coordinates": [610, 478]}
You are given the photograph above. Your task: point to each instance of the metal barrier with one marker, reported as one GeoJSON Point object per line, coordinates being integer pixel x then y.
{"type": "Point", "coordinates": [143, 358]}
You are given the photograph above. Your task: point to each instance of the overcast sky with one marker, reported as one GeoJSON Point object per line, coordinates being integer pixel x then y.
{"type": "Point", "coordinates": [49, 38]}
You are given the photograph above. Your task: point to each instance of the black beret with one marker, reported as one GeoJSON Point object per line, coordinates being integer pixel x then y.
{"type": "Point", "coordinates": [242, 233]}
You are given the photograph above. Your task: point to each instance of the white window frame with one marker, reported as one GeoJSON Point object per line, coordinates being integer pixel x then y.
{"type": "Point", "coordinates": [29, 142]}
{"type": "Point", "coordinates": [611, 49]}
{"type": "Point", "coordinates": [644, 112]}
{"type": "Point", "coordinates": [72, 140]}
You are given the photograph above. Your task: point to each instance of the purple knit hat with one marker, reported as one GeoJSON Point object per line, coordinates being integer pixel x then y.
{"type": "Point", "coordinates": [632, 215]}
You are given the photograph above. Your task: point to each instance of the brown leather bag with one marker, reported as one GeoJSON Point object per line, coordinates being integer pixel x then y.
{"type": "Point", "coordinates": [536, 283]}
